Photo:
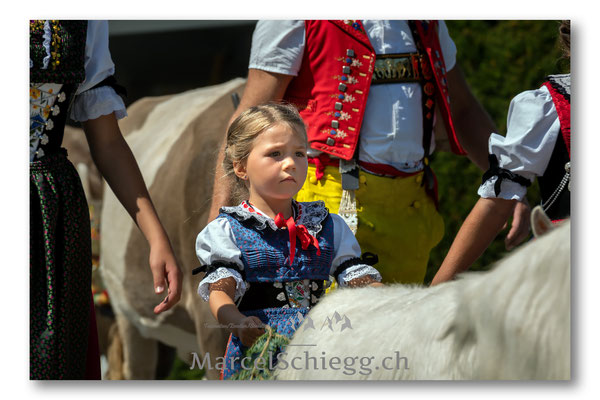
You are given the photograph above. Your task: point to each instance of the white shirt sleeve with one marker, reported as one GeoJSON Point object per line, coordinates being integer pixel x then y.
{"type": "Point", "coordinates": [346, 247]}
{"type": "Point", "coordinates": [532, 130]}
{"type": "Point", "coordinates": [91, 104]}
{"type": "Point", "coordinates": [278, 46]}
{"type": "Point", "coordinates": [447, 45]}
{"type": "Point", "coordinates": [216, 242]}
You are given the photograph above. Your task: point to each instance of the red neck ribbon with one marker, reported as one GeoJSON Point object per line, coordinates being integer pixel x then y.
{"type": "Point", "coordinates": [299, 231]}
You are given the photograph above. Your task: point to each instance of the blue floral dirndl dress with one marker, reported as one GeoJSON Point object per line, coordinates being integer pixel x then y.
{"type": "Point", "coordinates": [245, 244]}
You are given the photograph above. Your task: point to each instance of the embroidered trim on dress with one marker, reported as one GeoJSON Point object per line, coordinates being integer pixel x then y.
{"type": "Point", "coordinates": [310, 214]}
{"type": "Point", "coordinates": [241, 214]}
{"type": "Point", "coordinates": [43, 99]}
{"type": "Point", "coordinates": [345, 265]}
{"type": "Point", "coordinates": [209, 268]}
{"type": "Point", "coordinates": [357, 271]}
{"type": "Point", "coordinates": [57, 51]}
{"type": "Point", "coordinates": [313, 214]}
{"type": "Point", "coordinates": [47, 39]}
{"type": "Point", "coordinates": [562, 83]}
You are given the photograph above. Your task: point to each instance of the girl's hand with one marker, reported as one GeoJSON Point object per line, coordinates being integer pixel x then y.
{"type": "Point", "coordinates": [165, 271]}
{"type": "Point", "coordinates": [250, 329]}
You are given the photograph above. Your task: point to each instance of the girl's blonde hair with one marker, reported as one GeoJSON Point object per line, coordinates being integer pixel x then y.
{"type": "Point", "coordinates": [246, 127]}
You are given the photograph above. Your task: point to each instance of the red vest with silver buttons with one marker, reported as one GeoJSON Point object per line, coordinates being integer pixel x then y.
{"type": "Point", "coordinates": [333, 83]}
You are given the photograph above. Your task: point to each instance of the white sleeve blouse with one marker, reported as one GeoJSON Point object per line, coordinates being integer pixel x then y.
{"type": "Point", "coordinates": [92, 103]}
{"type": "Point", "coordinates": [216, 243]}
{"type": "Point", "coordinates": [532, 130]}
{"type": "Point", "coordinates": [346, 248]}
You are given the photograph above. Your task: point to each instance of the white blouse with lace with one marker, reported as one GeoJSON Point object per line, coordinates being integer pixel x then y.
{"type": "Point", "coordinates": [217, 242]}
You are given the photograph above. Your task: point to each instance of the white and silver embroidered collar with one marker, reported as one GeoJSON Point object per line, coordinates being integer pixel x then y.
{"type": "Point", "coordinates": [562, 80]}
{"type": "Point", "coordinates": [310, 214]}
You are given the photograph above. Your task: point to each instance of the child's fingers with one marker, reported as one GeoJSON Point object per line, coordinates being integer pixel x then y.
{"type": "Point", "coordinates": [255, 322]}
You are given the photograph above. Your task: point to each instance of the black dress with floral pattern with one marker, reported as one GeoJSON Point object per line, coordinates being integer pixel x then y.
{"type": "Point", "coordinates": [60, 244]}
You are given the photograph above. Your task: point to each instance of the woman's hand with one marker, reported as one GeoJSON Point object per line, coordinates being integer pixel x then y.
{"type": "Point", "coordinates": [165, 272]}
{"type": "Point", "coordinates": [249, 329]}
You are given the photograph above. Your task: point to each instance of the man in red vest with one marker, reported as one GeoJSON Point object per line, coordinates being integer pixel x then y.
{"type": "Point", "coordinates": [369, 92]}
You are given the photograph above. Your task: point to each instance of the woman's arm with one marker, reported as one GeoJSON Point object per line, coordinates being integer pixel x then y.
{"type": "Point", "coordinates": [483, 224]}
{"type": "Point", "coordinates": [473, 128]}
{"type": "Point", "coordinates": [116, 163]}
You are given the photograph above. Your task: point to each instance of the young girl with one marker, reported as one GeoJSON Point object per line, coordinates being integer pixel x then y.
{"type": "Point", "coordinates": [266, 260]}
{"type": "Point", "coordinates": [537, 143]}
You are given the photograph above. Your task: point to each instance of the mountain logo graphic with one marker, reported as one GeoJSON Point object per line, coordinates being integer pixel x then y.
{"type": "Point", "coordinates": [335, 323]}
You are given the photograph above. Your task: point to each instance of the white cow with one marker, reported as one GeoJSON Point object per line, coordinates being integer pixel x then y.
{"type": "Point", "coordinates": [512, 322]}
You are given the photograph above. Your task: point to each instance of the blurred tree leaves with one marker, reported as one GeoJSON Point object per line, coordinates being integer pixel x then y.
{"type": "Point", "coordinates": [500, 59]}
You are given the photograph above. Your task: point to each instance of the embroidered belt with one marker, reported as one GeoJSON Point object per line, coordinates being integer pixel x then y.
{"type": "Point", "coordinates": [323, 160]}
{"type": "Point", "coordinates": [395, 68]}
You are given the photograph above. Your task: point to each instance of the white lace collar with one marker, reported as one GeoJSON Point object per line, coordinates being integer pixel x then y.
{"type": "Point", "coordinates": [310, 214]}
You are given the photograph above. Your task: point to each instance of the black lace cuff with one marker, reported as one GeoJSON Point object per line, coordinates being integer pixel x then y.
{"type": "Point", "coordinates": [502, 174]}
{"type": "Point", "coordinates": [208, 269]}
{"type": "Point", "coordinates": [367, 258]}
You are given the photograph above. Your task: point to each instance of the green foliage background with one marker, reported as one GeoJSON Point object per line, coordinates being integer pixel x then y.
{"type": "Point", "coordinates": [499, 59]}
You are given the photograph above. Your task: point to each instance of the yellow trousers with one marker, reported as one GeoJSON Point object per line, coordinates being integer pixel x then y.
{"type": "Point", "coordinates": [396, 220]}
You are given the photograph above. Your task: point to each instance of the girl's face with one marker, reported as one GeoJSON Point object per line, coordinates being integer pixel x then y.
{"type": "Point", "coordinates": [276, 166]}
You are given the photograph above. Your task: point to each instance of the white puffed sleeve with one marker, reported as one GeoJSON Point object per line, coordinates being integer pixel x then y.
{"type": "Point", "coordinates": [346, 247]}
{"type": "Point", "coordinates": [92, 103]}
{"type": "Point", "coordinates": [447, 45]}
{"type": "Point", "coordinates": [532, 130]}
{"type": "Point", "coordinates": [216, 242]}
{"type": "Point", "coordinates": [278, 46]}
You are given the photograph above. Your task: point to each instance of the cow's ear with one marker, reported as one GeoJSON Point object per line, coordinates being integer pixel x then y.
{"type": "Point", "coordinates": [239, 168]}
